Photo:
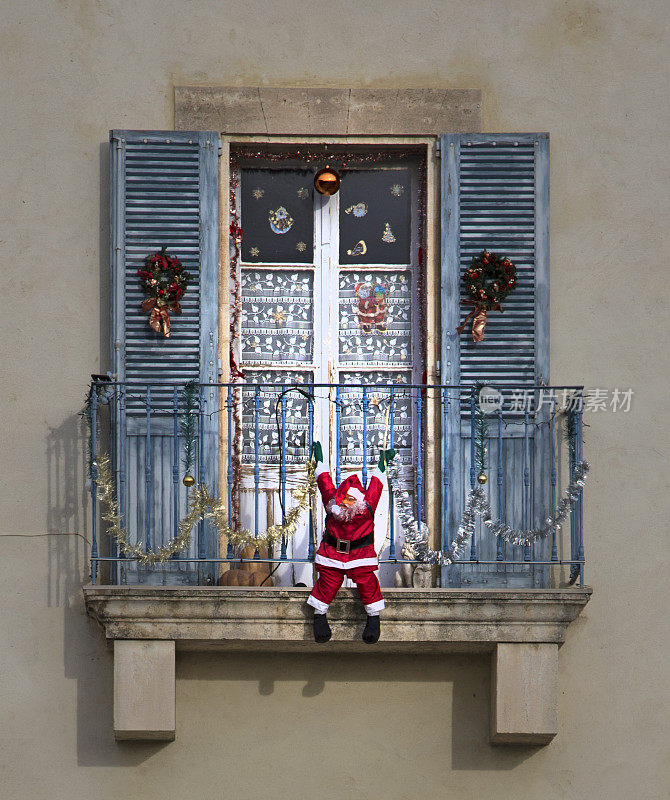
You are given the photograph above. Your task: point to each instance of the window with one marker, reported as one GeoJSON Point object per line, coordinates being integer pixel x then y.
{"type": "Point", "coordinates": [307, 273]}
{"type": "Point", "coordinates": [330, 294]}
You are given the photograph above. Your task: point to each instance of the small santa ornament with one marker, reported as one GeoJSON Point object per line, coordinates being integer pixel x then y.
{"type": "Point", "coordinates": [371, 304]}
{"type": "Point", "coordinates": [348, 545]}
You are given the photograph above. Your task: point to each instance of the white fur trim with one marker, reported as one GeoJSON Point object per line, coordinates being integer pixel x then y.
{"type": "Point", "coordinates": [358, 562]}
{"type": "Point", "coordinates": [319, 606]}
{"type": "Point", "coordinates": [320, 469]}
{"type": "Point", "coordinates": [357, 494]}
{"type": "Point", "coordinates": [373, 609]}
{"type": "Point", "coordinates": [347, 512]}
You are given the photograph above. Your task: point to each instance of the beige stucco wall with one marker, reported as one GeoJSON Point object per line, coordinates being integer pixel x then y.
{"type": "Point", "coordinates": [595, 75]}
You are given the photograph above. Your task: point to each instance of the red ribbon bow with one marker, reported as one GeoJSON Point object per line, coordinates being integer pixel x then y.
{"type": "Point", "coordinates": [160, 318]}
{"type": "Point", "coordinates": [478, 316]}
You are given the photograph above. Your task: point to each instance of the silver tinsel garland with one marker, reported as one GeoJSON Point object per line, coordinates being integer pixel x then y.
{"type": "Point", "coordinates": [417, 536]}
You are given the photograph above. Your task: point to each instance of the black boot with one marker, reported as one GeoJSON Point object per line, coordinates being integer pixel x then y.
{"type": "Point", "coordinates": [371, 630]}
{"type": "Point", "coordinates": [322, 632]}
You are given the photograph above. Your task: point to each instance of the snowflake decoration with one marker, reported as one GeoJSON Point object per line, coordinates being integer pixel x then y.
{"type": "Point", "coordinates": [254, 252]}
{"type": "Point", "coordinates": [303, 193]}
{"type": "Point", "coordinates": [279, 316]}
{"type": "Point", "coordinates": [301, 247]}
{"type": "Point", "coordinates": [258, 193]}
{"type": "Point", "coordinates": [397, 189]}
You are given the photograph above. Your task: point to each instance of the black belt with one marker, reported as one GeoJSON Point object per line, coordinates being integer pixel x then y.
{"type": "Point", "coordinates": [347, 545]}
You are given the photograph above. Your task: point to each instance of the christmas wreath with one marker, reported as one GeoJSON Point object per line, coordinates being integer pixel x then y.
{"type": "Point", "coordinates": [488, 280]}
{"type": "Point", "coordinates": [165, 281]}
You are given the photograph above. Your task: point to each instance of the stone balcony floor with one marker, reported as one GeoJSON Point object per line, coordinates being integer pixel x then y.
{"type": "Point", "coordinates": [256, 618]}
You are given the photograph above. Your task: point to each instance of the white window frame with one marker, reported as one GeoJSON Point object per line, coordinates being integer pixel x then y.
{"type": "Point", "coordinates": [426, 146]}
{"type": "Point", "coordinates": [327, 366]}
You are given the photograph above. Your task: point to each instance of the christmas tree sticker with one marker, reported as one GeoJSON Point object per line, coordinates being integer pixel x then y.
{"type": "Point", "coordinates": [388, 236]}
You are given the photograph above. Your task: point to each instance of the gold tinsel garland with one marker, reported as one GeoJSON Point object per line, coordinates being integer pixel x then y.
{"type": "Point", "coordinates": [239, 537]}
{"type": "Point", "coordinates": [202, 505]}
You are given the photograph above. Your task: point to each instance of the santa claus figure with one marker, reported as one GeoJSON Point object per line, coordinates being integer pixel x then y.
{"type": "Point", "coordinates": [371, 306]}
{"type": "Point", "coordinates": [348, 545]}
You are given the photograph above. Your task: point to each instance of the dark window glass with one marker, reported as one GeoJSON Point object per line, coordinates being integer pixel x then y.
{"type": "Point", "coordinates": [375, 217]}
{"type": "Point", "coordinates": [277, 216]}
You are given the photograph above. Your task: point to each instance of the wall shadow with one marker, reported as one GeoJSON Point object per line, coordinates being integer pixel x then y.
{"type": "Point", "coordinates": [68, 508]}
{"type": "Point", "coordinates": [103, 249]}
{"type": "Point", "coordinates": [466, 676]}
{"type": "Point", "coordinates": [87, 657]}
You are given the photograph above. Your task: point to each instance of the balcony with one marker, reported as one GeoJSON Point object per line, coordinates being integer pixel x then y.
{"type": "Point", "coordinates": [248, 443]}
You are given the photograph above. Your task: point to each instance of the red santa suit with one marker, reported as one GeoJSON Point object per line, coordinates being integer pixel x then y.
{"type": "Point", "coordinates": [348, 547]}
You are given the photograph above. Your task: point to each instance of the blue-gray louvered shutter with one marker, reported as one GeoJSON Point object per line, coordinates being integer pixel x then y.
{"type": "Point", "coordinates": [495, 196]}
{"type": "Point", "coordinates": [164, 191]}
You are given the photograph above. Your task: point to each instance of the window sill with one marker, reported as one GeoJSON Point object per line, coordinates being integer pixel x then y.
{"type": "Point", "coordinates": [522, 629]}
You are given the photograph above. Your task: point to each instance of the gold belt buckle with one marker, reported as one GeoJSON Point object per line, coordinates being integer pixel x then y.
{"type": "Point", "coordinates": [343, 546]}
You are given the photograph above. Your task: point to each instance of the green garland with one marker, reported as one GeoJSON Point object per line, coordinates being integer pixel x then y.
{"type": "Point", "coordinates": [489, 279]}
{"type": "Point", "coordinates": [188, 424]}
{"type": "Point", "coordinates": [570, 438]}
{"type": "Point", "coordinates": [87, 414]}
{"type": "Point", "coordinates": [487, 282]}
{"type": "Point", "coordinates": [570, 433]}
{"type": "Point", "coordinates": [165, 280]}
{"type": "Point", "coordinates": [481, 436]}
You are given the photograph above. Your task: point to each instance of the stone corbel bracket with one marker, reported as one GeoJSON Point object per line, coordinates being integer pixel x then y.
{"type": "Point", "coordinates": [522, 629]}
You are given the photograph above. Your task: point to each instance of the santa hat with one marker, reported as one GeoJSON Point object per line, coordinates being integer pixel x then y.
{"type": "Point", "coordinates": [351, 486]}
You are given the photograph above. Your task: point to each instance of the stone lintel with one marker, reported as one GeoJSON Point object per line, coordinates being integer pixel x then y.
{"type": "Point", "coordinates": [144, 690]}
{"type": "Point", "coordinates": [524, 693]}
{"type": "Point", "coordinates": [327, 111]}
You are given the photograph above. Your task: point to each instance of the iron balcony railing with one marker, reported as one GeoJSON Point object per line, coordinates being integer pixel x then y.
{"type": "Point", "coordinates": [248, 444]}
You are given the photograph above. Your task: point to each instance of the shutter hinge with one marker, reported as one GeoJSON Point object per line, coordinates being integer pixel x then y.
{"type": "Point", "coordinates": [220, 150]}
{"type": "Point", "coordinates": [438, 149]}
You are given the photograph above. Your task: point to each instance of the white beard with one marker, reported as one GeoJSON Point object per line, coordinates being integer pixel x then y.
{"type": "Point", "coordinates": [347, 513]}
